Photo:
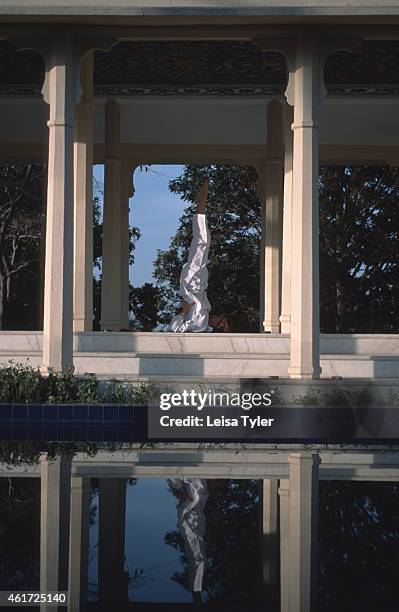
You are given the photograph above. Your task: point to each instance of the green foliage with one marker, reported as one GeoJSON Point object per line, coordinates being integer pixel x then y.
{"type": "Point", "coordinates": [21, 384]}
{"type": "Point", "coordinates": [344, 397]}
{"type": "Point", "coordinates": [14, 453]}
{"type": "Point", "coordinates": [145, 303]}
{"type": "Point", "coordinates": [359, 263]}
{"type": "Point", "coordinates": [359, 231]}
{"type": "Point", "coordinates": [22, 227]}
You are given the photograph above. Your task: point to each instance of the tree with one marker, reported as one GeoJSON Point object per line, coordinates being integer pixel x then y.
{"type": "Point", "coordinates": [22, 222]}
{"type": "Point", "coordinates": [359, 263]}
{"type": "Point", "coordinates": [359, 231]}
{"type": "Point", "coordinates": [144, 303]}
{"type": "Point", "coordinates": [234, 216]}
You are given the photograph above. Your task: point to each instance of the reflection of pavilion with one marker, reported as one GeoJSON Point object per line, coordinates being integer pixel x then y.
{"type": "Point", "coordinates": [199, 88]}
{"type": "Point", "coordinates": [290, 500]}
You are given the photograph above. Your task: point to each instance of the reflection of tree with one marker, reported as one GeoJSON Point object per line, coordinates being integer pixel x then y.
{"type": "Point", "coordinates": [19, 533]}
{"type": "Point", "coordinates": [232, 540]}
{"type": "Point", "coordinates": [359, 545]}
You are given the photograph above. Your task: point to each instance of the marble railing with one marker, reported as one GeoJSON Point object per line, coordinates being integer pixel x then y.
{"type": "Point", "coordinates": [230, 344]}
{"type": "Point", "coordinates": [146, 354]}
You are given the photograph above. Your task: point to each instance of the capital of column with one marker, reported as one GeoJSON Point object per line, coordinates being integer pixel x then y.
{"type": "Point", "coordinates": [305, 124]}
{"type": "Point", "coordinates": [284, 488]}
{"type": "Point", "coordinates": [271, 326]}
{"type": "Point", "coordinates": [316, 47]}
{"type": "Point", "coordinates": [304, 372]}
{"type": "Point", "coordinates": [57, 123]}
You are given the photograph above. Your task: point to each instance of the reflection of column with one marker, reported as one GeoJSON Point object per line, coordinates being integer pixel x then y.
{"type": "Point", "coordinates": [303, 530]}
{"type": "Point", "coordinates": [58, 287]}
{"type": "Point", "coordinates": [285, 317]}
{"type": "Point", "coordinates": [271, 219]}
{"type": "Point", "coordinates": [305, 328]}
{"type": "Point", "coordinates": [284, 493]}
{"type": "Point", "coordinates": [270, 553]}
{"type": "Point", "coordinates": [54, 525]}
{"type": "Point", "coordinates": [127, 191]}
{"type": "Point", "coordinates": [79, 544]}
{"type": "Point", "coordinates": [112, 580]}
{"type": "Point", "coordinates": [83, 181]}
{"type": "Point", "coordinates": [111, 252]}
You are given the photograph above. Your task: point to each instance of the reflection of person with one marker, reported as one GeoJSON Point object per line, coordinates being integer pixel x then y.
{"type": "Point", "coordinates": [193, 494]}
{"type": "Point", "coordinates": [194, 314]}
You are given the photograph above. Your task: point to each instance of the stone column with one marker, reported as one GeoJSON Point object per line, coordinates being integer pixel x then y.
{"type": "Point", "coordinates": [112, 580]}
{"type": "Point", "coordinates": [79, 544]}
{"type": "Point", "coordinates": [58, 283]}
{"type": "Point", "coordinates": [284, 494]}
{"type": "Point", "coordinates": [54, 525]}
{"type": "Point", "coordinates": [303, 530]}
{"type": "Point", "coordinates": [272, 219]}
{"type": "Point", "coordinates": [270, 552]}
{"type": "Point", "coordinates": [127, 191]}
{"type": "Point", "coordinates": [305, 328]}
{"type": "Point", "coordinates": [112, 248]}
{"type": "Point", "coordinates": [285, 317]}
{"type": "Point", "coordinates": [261, 191]}
{"type": "Point", "coordinates": [83, 197]}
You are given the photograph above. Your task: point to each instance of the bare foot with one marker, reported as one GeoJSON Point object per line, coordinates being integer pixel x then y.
{"type": "Point", "coordinates": [201, 197]}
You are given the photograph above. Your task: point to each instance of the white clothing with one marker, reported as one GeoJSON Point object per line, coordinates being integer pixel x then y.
{"type": "Point", "coordinates": [194, 281]}
{"type": "Point", "coordinates": [191, 523]}
{"type": "Point", "coordinates": [193, 286]}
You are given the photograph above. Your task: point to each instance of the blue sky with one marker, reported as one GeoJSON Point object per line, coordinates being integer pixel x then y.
{"type": "Point", "coordinates": [150, 507]}
{"type": "Point", "coordinates": [155, 211]}
{"type": "Point", "coordinates": [150, 514]}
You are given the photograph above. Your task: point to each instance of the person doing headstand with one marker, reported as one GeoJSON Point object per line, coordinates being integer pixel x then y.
{"type": "Point", "coordinates": [194, 314]}
{"type": "Point", "coordinates": [194, 317]}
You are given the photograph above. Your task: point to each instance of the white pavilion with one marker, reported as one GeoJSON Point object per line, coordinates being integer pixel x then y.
{"type": "Point", "coordinates": [285, 129]}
